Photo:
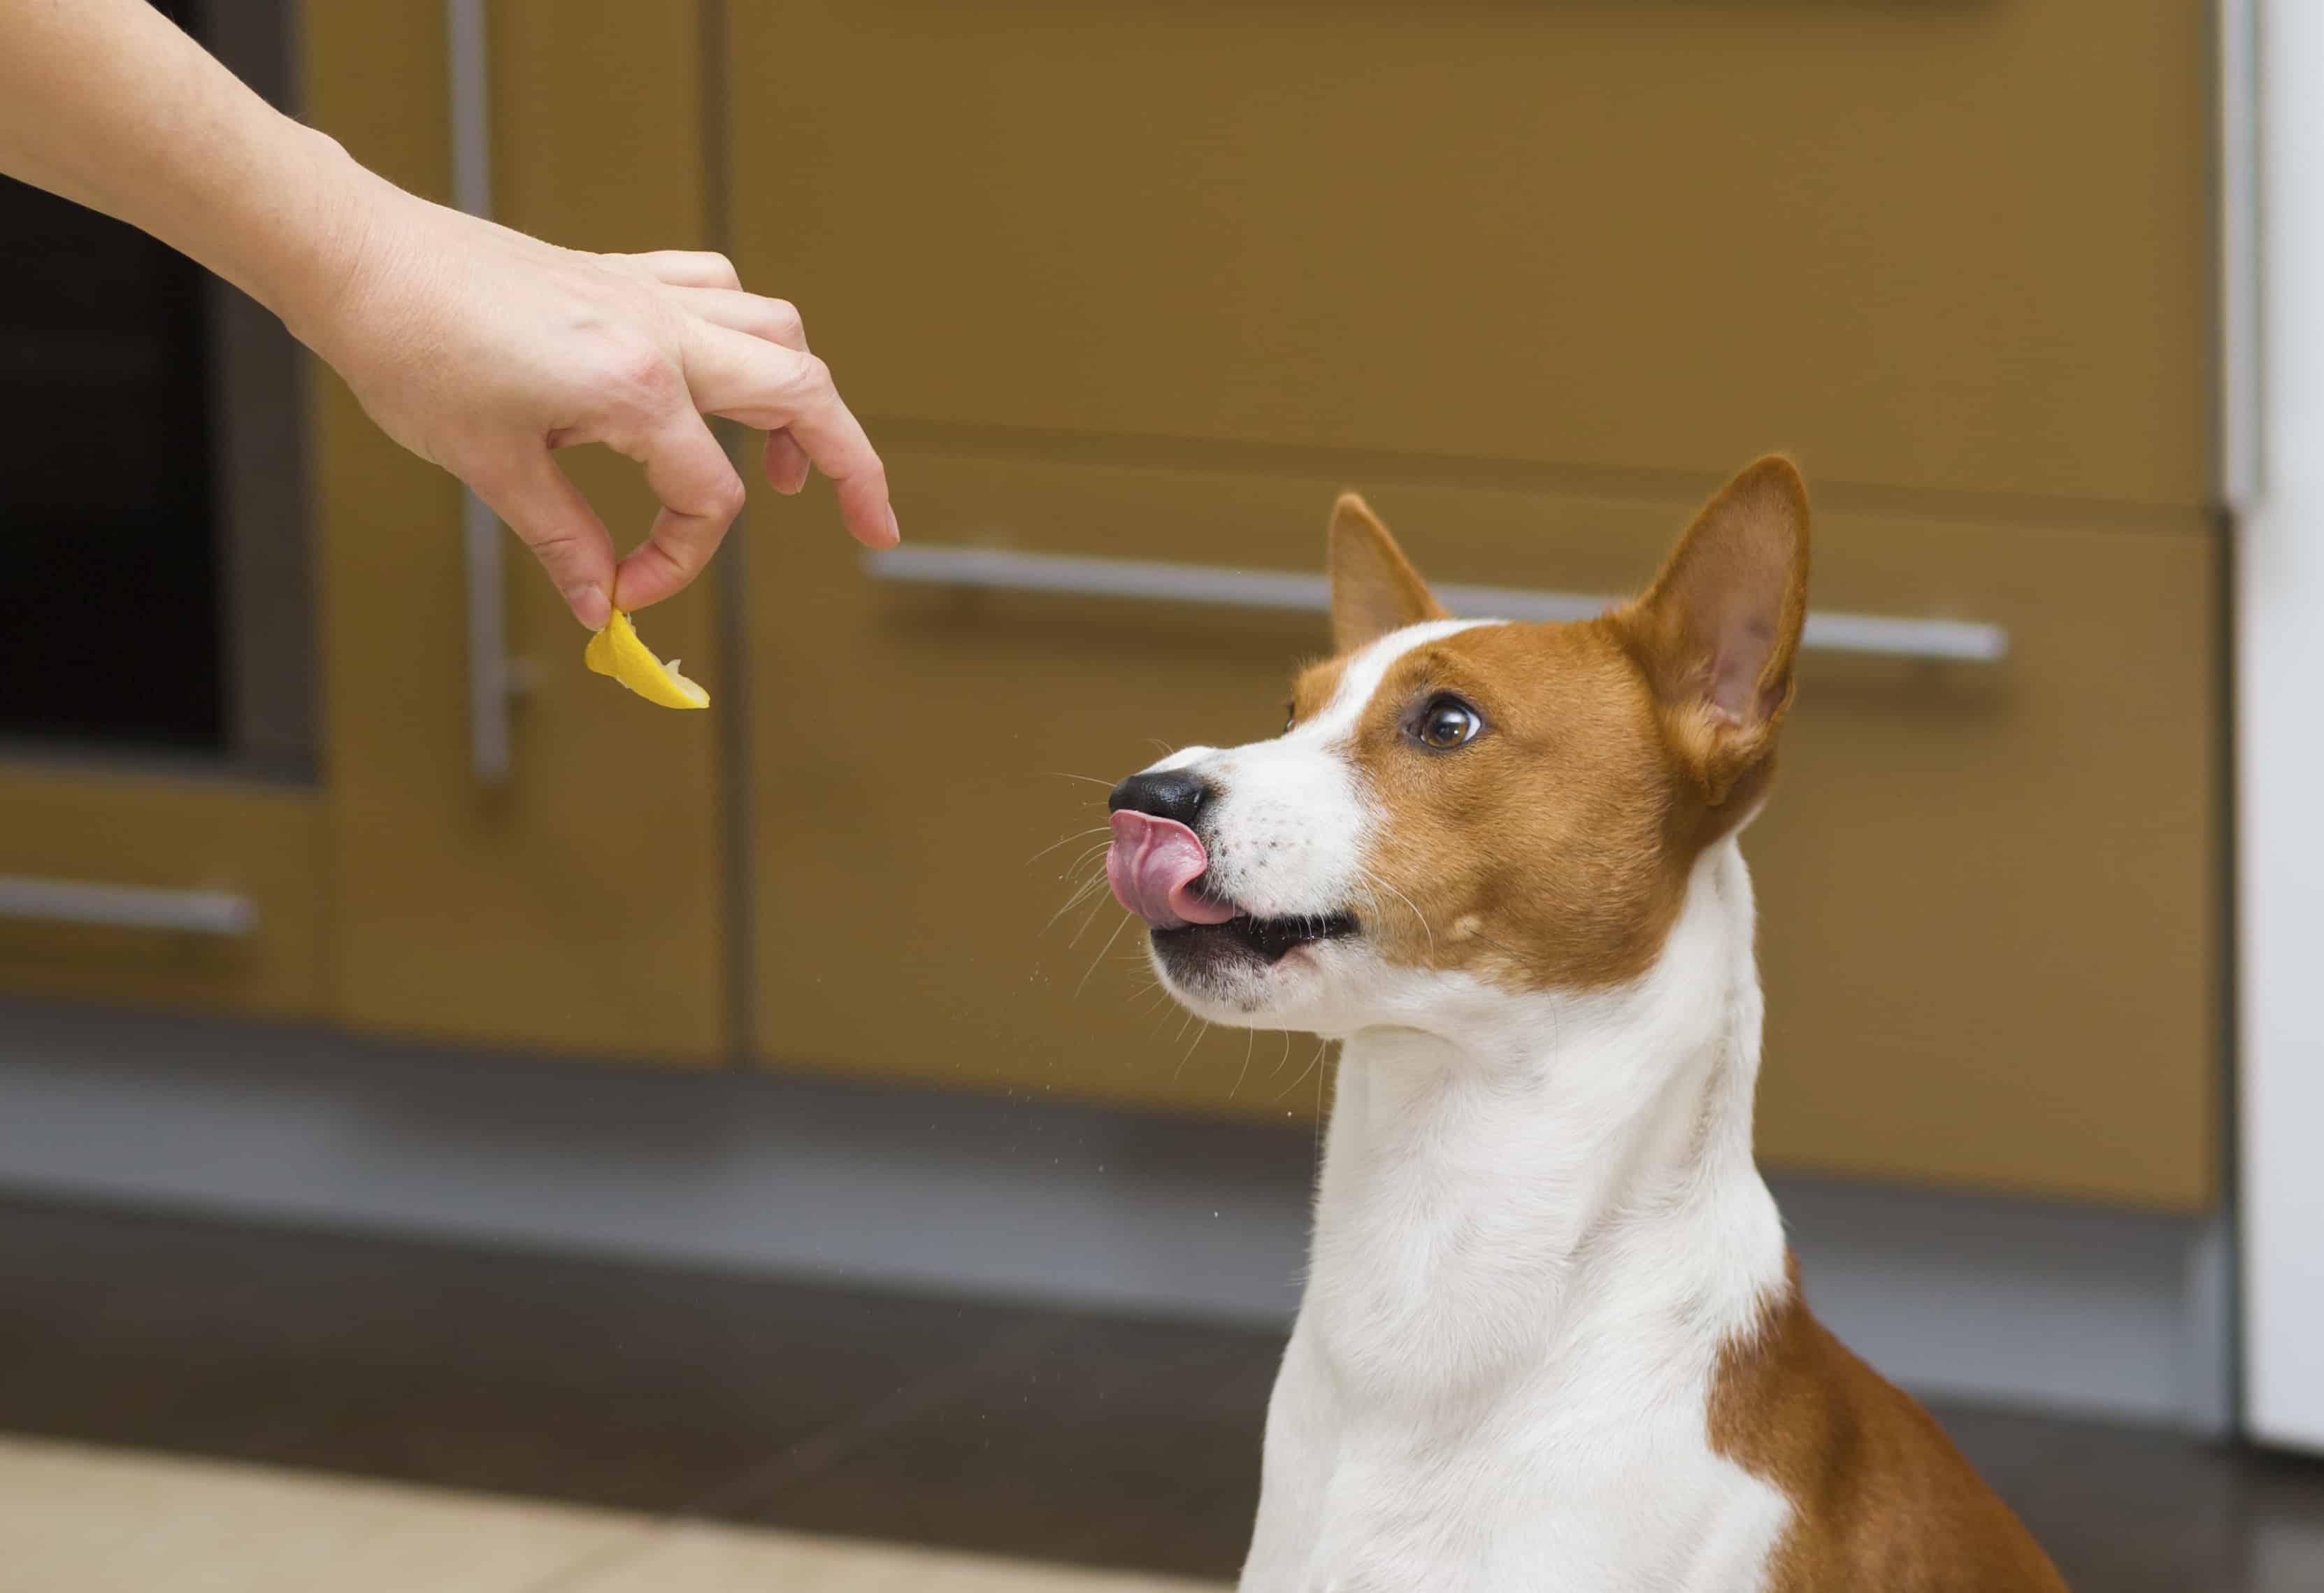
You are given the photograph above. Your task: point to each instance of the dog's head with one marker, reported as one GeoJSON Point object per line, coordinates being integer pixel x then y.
{"type": "Point", "coordinates": [1460, 808]}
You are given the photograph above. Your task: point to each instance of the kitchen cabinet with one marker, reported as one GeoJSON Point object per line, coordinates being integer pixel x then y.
{"type": "Point", "coordinates": [1150, 284]}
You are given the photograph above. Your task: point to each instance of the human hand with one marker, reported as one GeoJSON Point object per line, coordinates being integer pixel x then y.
{"type": "Point", "coordinates": [483, 350]}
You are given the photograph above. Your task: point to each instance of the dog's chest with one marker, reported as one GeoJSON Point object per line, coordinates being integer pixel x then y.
{"type": "Point", "coordinates": [1495, 1383]}
{"type": "Point", "coordinates": [1594, 1470]}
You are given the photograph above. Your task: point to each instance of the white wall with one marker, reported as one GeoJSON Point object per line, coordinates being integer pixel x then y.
{"type": "Point", "coordinates": [2275, 448]}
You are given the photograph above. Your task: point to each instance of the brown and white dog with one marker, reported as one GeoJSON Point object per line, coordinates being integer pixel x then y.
{"type": "Point", "coordinates": [1551, 1337]}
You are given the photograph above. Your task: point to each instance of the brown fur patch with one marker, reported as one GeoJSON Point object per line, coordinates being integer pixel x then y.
{"type": "Point", "coordinates": [1881, 1498]}
{"type": "Point", "coordinates": [1553, 851]}
{"type": "Point", "coordinates": [1542, 854]}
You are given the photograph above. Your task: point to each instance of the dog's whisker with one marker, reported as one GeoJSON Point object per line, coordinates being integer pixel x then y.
{"type": "Point", "coordinates": [1067, 906]}
{"type": "Point", "coordinates": [1310, 1068]}
{"type": "Point", "coordinates": [1090, 918]}
{"type": "Point", "coordinates": [1371, 879]}
{"type": "Point", "coordinates": [1080, 895]}
{"type": "Point", "coordinates": [1100, 958]}
{"type": "Point", "coordinates": [1250, 1038]}
{"type": "Point", "coordinates": [1189, 1051]}
{"type": "Point", "coordinates": [1094, 780]}
{"type": "Point", "coordinates": [1081, 861]}
{"type": "Point", "coordinates": [1320, 1046]}
{"type": "Point", "coordinates": [1068, 840]}
{"type": "Point", "coordinates": [1084, 884]}
{"type": "Point", "coordinates": [1084, 874]}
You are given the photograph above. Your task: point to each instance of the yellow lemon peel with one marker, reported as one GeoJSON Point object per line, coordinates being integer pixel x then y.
{"type": "Point", "coordinates": [616, 651]}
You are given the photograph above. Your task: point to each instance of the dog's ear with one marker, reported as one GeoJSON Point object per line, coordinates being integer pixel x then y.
{"type": "Point", "coordinates": [1718, 631]}
{"type": "Point", "coordinates": [1374, 588]}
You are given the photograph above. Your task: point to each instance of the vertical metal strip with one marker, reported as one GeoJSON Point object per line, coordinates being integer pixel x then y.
{"type": "Point", "coordinates": [2242, 454]}
{"type": "Point", "coordinates": [2278, 655]}
{"type": "Point", "coordinates": [2213, 1311]}
{"type": "Point", "coordinates": [730, 589]}
{"type": "Point", "coordinates": [489, 752]}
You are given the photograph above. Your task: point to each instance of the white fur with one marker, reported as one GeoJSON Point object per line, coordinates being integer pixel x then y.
{"type": "Point", "coordinates": [1538, 1225]}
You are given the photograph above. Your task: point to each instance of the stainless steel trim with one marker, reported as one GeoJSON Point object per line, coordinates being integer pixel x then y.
{"type": "Point", "coordinates": [491, 682]}
{"type": "Point", "coordinates": [128, 907]}
{"type": "Point", "coordinates": [2243, 463]}
{"type": "Point", "coordinates": [1947, 641]}
{"type": "Point", "coordinates": [489, 677]}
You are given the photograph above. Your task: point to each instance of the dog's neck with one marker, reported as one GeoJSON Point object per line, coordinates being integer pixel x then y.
{"type": "Point", "coordinates": [1552, 1188]}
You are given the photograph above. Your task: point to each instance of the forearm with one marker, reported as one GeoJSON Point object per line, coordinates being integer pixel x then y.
{"type": "Point", "coordinates": [107, 103]}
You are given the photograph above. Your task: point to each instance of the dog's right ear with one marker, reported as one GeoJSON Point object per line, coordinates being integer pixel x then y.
{"type": "Point", "coordinates": [1374, 588]}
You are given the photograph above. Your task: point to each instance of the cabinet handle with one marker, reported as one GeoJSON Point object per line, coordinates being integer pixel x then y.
{"type": "Point", "coordinates": [1004, 569]}
{"type": "Point", "coordinates": [128, 907]}
{"type": "Point", "coordinates": [490, 680]}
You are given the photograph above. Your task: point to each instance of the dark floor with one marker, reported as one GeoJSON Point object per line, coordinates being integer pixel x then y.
{"type": "Point", "coordinates": [1045, 1433]}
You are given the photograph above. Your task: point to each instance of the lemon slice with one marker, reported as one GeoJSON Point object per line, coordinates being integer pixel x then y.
{"type": "Point", "coordinates": [616, 651]}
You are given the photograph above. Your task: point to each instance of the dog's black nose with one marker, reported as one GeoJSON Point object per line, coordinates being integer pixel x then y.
{"type": "Point", "coordinates": [1164, 796]}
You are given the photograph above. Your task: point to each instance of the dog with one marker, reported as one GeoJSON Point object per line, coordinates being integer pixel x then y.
{"type": "Point", "coordinates": [1551, 1337]}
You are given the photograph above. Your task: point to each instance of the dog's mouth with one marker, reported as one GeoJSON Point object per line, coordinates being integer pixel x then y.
{"type": "Point", "coordinates": [1270, 940]}
{"type": "Point", "coordinates": [1160, 870]}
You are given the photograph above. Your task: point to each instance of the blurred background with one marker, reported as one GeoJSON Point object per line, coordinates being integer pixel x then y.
{"type": "Point", "coordinates": [457, 1123]}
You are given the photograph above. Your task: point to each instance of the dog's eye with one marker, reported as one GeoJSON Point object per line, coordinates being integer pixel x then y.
{"type": "Point", "coordinates": [1290, 717]}
{"type": "Point", "coordinates": [1448, 722]}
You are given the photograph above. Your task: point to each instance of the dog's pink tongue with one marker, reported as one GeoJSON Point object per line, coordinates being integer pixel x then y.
{"type": "Point", "coordinates": [1153, 864]}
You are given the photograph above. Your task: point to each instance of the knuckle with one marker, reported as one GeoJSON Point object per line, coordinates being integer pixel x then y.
{"type": "Point", "coordinates": [557, 550]}
{"type": "Point", "coordinates": [720, 267]}
{"type": "Point", "coordinates": [639, 375]}
{"type": "Point", "coordinates": [727, 497]}
{"type": "Point", "coordinates": [783, 319]}
{"type": "Point", "coordinates": [811, 374]}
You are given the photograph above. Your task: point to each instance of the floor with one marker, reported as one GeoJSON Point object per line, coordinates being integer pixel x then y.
{"type": "Point", "coordinates": [82, 1520]}
{"type": "Point", "coordinates": [293, 1409]}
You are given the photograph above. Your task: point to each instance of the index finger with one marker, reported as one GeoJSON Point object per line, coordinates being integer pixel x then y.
{"type": "Point", "coordinates": [700, 495]}
{"type": "Point", "coordinates": [773, 388]}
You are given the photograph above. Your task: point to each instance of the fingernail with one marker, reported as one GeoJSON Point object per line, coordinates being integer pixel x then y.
{"type": "Point", "coordinates": [895, 531]}
{"type": "Point", "coordinates": [590, 605]}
